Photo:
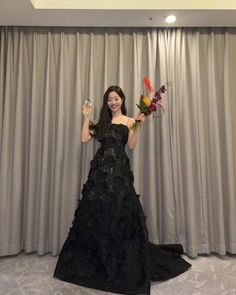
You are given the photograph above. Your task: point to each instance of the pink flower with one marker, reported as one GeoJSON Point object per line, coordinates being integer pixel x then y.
{"type": "Point", "coordinates": [162, 89]}
{"type": "Point", "coordinates": [153, 107]}
{"type": "Point", "coordinates": [148, 112]}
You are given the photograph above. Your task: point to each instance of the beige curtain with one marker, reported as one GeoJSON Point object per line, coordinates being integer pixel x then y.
{"type": "Point", "coordinates": [184, 164]}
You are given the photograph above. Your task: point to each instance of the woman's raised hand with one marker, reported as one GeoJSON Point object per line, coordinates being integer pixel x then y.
{"type": "Point", "coordinates": [86, 109]}
{"type": "Point", "coordinates": [140, 117]}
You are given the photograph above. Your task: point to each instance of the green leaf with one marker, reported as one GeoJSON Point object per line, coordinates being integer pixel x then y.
{"type": "Point", "coordinates": [143, 107]}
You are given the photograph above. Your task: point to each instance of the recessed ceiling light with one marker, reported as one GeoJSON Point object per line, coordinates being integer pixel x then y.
{"type": "Point", "coordinates": [170, 19]}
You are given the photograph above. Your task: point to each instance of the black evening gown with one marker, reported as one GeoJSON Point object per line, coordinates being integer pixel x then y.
{"type": "Point", "coordinates": [107, 247]}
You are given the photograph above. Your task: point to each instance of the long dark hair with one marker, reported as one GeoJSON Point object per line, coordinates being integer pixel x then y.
{"type": "Point", "coordinates": [105, 117]}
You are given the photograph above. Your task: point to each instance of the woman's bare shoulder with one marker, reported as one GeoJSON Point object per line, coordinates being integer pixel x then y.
{"type": "Point", "coordinates": [130, 122]}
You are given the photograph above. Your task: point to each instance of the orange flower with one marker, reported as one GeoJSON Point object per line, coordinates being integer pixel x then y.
{"type": "Point", "coordinates": [147, 101]}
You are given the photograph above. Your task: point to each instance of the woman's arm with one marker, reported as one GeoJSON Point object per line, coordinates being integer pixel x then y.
{"type": "Point", "coordinates": [134, 134]}
{"type": "Point", "coordinates": [85, 135]}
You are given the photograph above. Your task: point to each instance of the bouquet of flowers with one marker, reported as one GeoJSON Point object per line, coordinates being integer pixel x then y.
{"type": "Point", "coordinates": [151, 102]}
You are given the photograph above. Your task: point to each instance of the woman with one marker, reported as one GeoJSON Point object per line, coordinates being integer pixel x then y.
{"type": "Point", "coordinates": [107, 247]}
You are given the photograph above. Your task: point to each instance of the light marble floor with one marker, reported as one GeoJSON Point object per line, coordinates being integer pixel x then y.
{"type": "Point", "coordinates": [30, 274]}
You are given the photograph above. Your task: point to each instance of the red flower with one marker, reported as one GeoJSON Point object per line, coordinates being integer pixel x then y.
{"type": "Point", "coordinates": [148, 84]}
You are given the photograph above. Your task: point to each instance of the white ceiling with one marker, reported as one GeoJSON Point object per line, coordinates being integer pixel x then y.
{"type": "Point", "coordinates": [207, 13]}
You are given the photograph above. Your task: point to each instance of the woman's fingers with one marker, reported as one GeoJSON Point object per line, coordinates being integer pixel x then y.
{"type": "Point", "coordinates": [140, 117]}
{"type": "Point", "coordinates": [86, 110]}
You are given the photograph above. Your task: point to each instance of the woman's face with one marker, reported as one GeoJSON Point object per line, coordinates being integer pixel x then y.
{"type": "Point", "coordinates": [114, 101]}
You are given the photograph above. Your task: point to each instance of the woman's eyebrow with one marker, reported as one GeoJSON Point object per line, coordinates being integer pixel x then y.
{"type": "Point", "coordinates": [113, 96]}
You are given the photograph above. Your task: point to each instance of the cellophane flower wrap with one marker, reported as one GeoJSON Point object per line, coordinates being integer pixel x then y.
{"type": "Point", "coordinates": [150, 103]}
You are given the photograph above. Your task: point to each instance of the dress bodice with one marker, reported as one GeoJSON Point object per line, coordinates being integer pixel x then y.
{"type": "Point", "coordinates": [116, 135]}
{"type": "Point", "coordinates": [111, 159]}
